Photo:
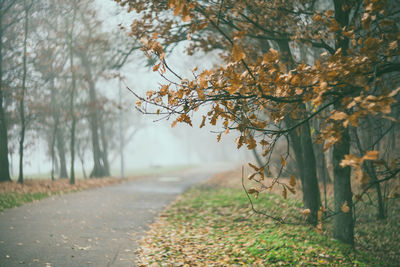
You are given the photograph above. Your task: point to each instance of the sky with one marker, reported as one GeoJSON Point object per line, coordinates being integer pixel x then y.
{"type": "Point", "coordinates": [155, 143]}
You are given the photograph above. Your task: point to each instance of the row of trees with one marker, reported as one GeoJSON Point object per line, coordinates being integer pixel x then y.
{"type": "Point", "coordinates": [322, 75]}
{"type": "Point", "coordinates": [52, 56]}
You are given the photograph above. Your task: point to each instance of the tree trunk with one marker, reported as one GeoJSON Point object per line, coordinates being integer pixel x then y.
{"type": "Point", "coordinates": [104, 154]}
{"type": "Point", "coordinates": [343, 225]}
{"type": "Point", "coordinates": [121, 133]}
{"type": "Point", "coordinates": [98, 168]}
{"type": "Point", "coordinates": [305, 160]}
{"type": "Point", "coordinates": [4, 164]}
{"type": "Point", "coordinates": [61, 154]}
{"type": "Point", "coordinates": [55, 127]}
{"type": "Point", "coordinates": [312, 199]}
{"type": "Point", "coordinates": [370, 169]}
{"type": "Point", "coordinates": [302, 146]}
{"type": "Point", "coordinates": [22, 99]}
{"type": "Point", "coordinates": [72, 96]}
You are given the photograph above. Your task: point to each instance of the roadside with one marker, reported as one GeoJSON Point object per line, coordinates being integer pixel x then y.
{"type": "Point", "coordinates": [13, 194]}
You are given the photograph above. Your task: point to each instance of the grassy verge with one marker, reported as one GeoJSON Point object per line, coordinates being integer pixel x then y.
{"type": "Point", "coordinates": [211, 226]}
{"type": "Point", "coordinates": [11, 200]}
{"type": "Point", "coordinates": [13, 194]}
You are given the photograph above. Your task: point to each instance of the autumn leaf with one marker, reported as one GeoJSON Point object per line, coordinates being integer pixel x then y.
{"type": "Point", "coordinates": [371, 155]}
{"type": "Point", "coordinates": [284, 193]}
{"type": "Point", "coordinates": [203, 122]}
{"type": "Point", "coordinates": [338, 115]}
{"type": "Point", "coordinates": [283, 161]}
{"type": "Point", "coordinates": [253, 166]}
{"type": "Point", "coordinates": [252, 191]}
{"type": "Point", "coordinates": [345, 208]}
{"type": "Point", "coordinates": [237, 53]}
{"type": "Point", "coordinates": [251, 176]}
{"type": "Point", "coordinates": [292, 181]}
{"type": "Point", "coordinates": [156, 67]}
{"type": "Point", "coordinates": [218, 137]}
{"type": "Point", "coordinates": [305, 212]}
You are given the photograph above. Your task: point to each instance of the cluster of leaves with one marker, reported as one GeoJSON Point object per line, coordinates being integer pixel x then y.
{"type": "Point", "coordinates": [255, 90]}
{"type": "Point", "coordinates": [214, 227]}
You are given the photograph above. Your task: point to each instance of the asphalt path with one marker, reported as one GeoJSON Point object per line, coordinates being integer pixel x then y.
{"type": "Point", "coordinates": [99, 227]}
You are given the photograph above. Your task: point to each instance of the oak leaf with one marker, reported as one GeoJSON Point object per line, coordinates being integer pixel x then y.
{"type": "Point", "coordinates": [237, 53]}
{"type": "Point", "coordinates": [345, 208]}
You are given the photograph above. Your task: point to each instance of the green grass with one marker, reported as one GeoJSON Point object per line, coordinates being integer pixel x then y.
{"type": "Point", "coordinates": [11, 200]}
{"type": "Point", "coordinates": [209, 226]}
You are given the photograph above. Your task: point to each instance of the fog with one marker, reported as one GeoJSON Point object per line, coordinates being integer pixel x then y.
{"type": "Point", "coordinates": [150, 141]}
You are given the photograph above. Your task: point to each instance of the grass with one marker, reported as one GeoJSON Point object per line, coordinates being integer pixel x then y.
{"type": "Point", "coordinates": [211, 226]}
{"type": "Point", "coordinates": [13, 194]}
{"type": "Point", "coordinates": [11, 200]}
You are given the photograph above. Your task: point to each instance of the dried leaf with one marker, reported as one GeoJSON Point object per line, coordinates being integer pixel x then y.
{"type": "Point", "coordinates": [292, 181]}
{"type": "Point", "coordinates": [371, 155]}
{"type": "Point", "coordinates": [237, 53]}
{"type": "Point", "coordinates": [345, 208]}
{"type": "Point", "coordinates": [283, 161]}
{"type": "Point", "coordinates": [284, 193]}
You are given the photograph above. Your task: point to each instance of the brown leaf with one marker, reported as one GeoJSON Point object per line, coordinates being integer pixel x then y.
{"type": "Point", "coordinates": [345, 208]}
{"type": "Point", "coordinates": [237, 53]}
{"type": "Point", "coordinates": [371, 155]}
{"type": "Point", "coordinates": [292, 181]}
{"type": "Point", "coordinates": [283, 161]}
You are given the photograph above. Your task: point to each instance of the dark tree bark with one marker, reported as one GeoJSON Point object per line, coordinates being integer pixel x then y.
{"type": "Point", "coordinates": [312, 199]}
{"type": "Point", "coordinates": [370, 169]}
{"type": "Point", "coordinates": [61, 154]}
{"type": "Point", "coordinates": [22, 98]}
{"type": "Point", "coordinates": [98, 168]}
{"type": "Point", "coordinates": [104, 154]}
{"type": "Point", "coordinates": [55, 127]}
{"type": "Point", "coordinates": [304, 153]}
{"type": "Point", "coordinates": [72, 95]}
{"type": "Point", "coordinates": [343, 224]}
{"type": "Point", "coordinates": [4, 164]}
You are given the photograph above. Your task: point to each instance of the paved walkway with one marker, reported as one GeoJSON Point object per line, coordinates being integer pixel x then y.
{"type": "Point", "coordinates": [97, 228]}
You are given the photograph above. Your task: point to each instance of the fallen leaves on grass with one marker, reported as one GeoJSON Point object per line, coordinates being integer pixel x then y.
{"type": "Point", "coordinates": [13, 194]}
{"type": "Point", "coordinates": [215, 227]}
{"type": "Point", "coordinates": [47, 186]}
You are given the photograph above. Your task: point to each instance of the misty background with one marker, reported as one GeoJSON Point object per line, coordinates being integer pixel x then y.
{"type": "Point", "coordinates": [149, 141]}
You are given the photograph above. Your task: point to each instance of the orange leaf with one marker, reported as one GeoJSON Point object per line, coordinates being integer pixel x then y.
{"type": "Point", "coordinates": [306, 212]}
{"type": "Point", "coordinates": [292, 181]}
{"type": "Point", "coordinates": [203, 122]}
{"type": "Point", "coordinates": [156, 67]}
{"type": "Point", "coordinates": [283, 161]}
{"type": "Point", "coordinates": [371, 155]}
{"type": "Point", "coordinates": [338, 115]}
{"type": "Point", "coordinates": [252, 191]}
{"type": "Point", "coordinates": [237, 53]}
{"type": "Point", "coordinates": [252, 176]}
{"type": "Point", "coordinates": [284, 193]}
{"type": "Point", "coordinates": [345, 208]}
{"type": "Point", "coordinates": [253, 166]}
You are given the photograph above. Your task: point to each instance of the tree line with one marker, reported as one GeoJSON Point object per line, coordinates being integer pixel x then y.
{"type": "Point", "coordinates": [52, 56]}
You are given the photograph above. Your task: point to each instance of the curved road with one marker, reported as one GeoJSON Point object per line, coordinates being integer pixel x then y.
{"type": "Point", "coordinates": [99, 227]}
